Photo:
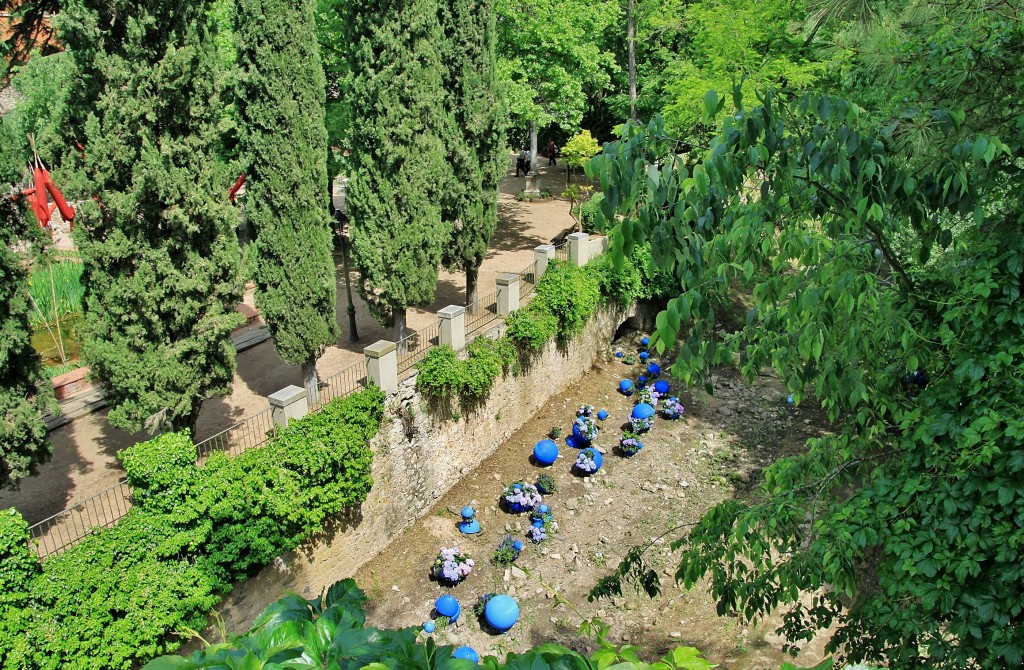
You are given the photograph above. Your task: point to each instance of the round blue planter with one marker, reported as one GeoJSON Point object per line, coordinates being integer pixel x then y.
{"type": "Point", "coordinates": [631, 454]}
{"type": "Point", "coordinates": [580, 438]}
{"type": "Point", "coordinates": [645, 342]}
{"type": "Point", "coordinates": [653, 370]}
{"type": "Point", "coordinates": [642, 381]}
{"type": "Point", "coordinates": [642, 411]}
{"type": "Point", "coordinates": [598, 460]}
{"type": "Point", "coordinates": [661, 386]}
{"type": "Point", "coordinates": [789, 399]}
{"type": "Point", "coordinates": [517, 545]}
{"type": "Point", "coordinates": [644, 355]}
{"type": "Point", "coordinates": [467, 653]}
{"type": "Point", "coordinates": [517, 508]}
{"type": "Point", "coordinates": [618, 354]}
{"type": "Point", "coordinates": [538, 524]}
{"type": "Point", "coordinates": [602, 415]}
{"type": "Point", "coordinates": [501, 612]}
{"type": "Point", "coordinates": [428, 626]}
{"type": "Point", "coordinates": [448, 606]}
{"type": "Point", "coordinates": [545, 452]}
{"type": "Point", "coordinates": [626, 387]}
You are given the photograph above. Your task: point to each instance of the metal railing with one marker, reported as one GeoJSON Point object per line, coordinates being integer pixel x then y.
{"type": "Point", "coordinates": [72, 525]}
{"type": "Point", "coordinates": [412, 348]}
{"type": "Point", "coordinates": [341, 384]}
{"type": "Point", "coordinates": [562, 251]}
{"type": "Point", "coordinates": [527, 281]}
{"type": "Point", "coordinates": [481, 314]}
{"type": "Point", "coordinates": [247, 433]}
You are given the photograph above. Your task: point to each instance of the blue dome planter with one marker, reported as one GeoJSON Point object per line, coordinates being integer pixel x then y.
{"type": "Point", "coordinates": [501, 613]}
{"type": "Point", "coordinates": [642, 381]}
{"type": "Point", "coordinates": [467, 653]}
{"type": "Point", "coordinates": [644, 355]}
{"type": "Point", "coordinates": [448, 606]}
{"type": "Point", "coordinates": [584, 431]}
{"type": "Point", "coordinates": [521, 497]}
{"type": "Point", "coordinates": [428, 626]}
{"type": "Point", "coordinates": [661, 386]}
{"type": "Point", "coordinates": [589, 461]}
{"type": "Point", "coordinates": [602, 414]}
{"type": "Point", "coordinates": [642, 417]}
{"type": "Point", "coordinates": [469, 525]}
{"type": "Point", "coordinates": [626, 387]}
{"type": "Point", "coordinates": [672, 409]}
{"type": "Point", "coordinates": [653, 370]}
{"type": "Point", "coordinates": [545, 452]}
{"type": "Point", "coordinates": [618, 354]}
{"type": "Point", "coordinates": [645, 342]}
{"type": "Point", "coordinates": [629, 445]}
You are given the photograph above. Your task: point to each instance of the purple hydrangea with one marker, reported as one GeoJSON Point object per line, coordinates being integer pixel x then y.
{"type": "Point", "coordinates": [585, 461]}
{"type": "Point", "coordinates": [630, 444]}
{"type": "Point", "coordinates": [451, 565]}
{"type": "Point", "coordinates": [649, 396]}
{"type": "Point", "coordinates": [672, 408]}
{"type": "Point", "coordinates": [587, 428]}
{"type": "Point", "coordinates": [522, 493]}
{"type": "Point", "coordinates": [537, 533]}
{"type": "Point", "coordinates": [585, 410]}
{"type": "Point", "coordinates": [640, 425]}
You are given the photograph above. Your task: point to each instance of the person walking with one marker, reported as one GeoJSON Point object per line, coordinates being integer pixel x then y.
{"type": "Point", "coordinates": [521, 164]}
{"type": "Point", "coordinates": [552, 150]}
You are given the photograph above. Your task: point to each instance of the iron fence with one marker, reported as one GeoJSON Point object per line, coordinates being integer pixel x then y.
{"type": "Point", "coordinates": [72, 525]}
{"type": "Point", "coordinates": [481, 314]}
{"type": "Point", "coordinates": [527, 281]}
{"type": "Point", "coordinates": [341, 384]}
{"type": "Point", "coordinates": [562, 252]}
{"type": "Point", "coordinates": [247, 433]}
{"type": "Point", "coordinates": [412, 348]}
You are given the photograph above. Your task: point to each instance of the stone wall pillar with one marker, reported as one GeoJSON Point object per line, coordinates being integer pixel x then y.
{"type": "Point", "coordinates": [453, 326]}
{"type": "Point", "coordinates": [288, 404]}
{"type": "Point", "coordinates": [579, 249]}
{"type": "Point", "coordinates": [382, 365]}
{"type": "Point", "coordinates": [508, 293]}
{"type": "Point", "coordinates": [542, 255]}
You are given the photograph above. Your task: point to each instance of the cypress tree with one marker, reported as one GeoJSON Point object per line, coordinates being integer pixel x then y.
{"type": "Point", "coordinates": [283, 141]}
{"type": "Point", "coordinates": [155, 230]}
{"type": "Point", "coordinates": [398, 112]}
{"type": "Point", "coordinates": [478, 156]}
{"type": "Point", "coordinates": [24, 391]}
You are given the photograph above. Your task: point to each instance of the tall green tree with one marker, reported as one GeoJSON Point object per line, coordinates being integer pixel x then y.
{"type": "Point", "coordinates": [24, 390]}
{"type": "Point", "coordinates": [155, 229]}
{"type": "Point", "coordinates": [398, 111]}
{"type": "Point", "coordinates": [283, 142]}
{"type": "Point", "coordinates": [477, 151]}
{"type": "Point", "coordinates": [885, 272]}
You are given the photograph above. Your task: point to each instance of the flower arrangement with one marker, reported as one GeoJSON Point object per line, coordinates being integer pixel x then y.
{"type": "Point", "coordinates": [508, 550]}
{"type": "Point", "coordinates": [521, 496]}
{"type": "Point", "coordinates": [481, 604]}
{"type": "Point", "coordinates": [641, 425]}
{"type": "Point", "coordinates": [451, 565]}
{"type": "Point", "coordinates": [546, 484]}
{"type": "Point", "coordinates": [537, 533]}
{"type": "Point", "coordinates": [585, 410]}
{"type": "Point", "coordinates": [630, 443]}
{"type": "Point", "coordinates": [649, 396]}
{"type": "Point", "coordinates": [587, 428]}
{"type": "Point", "coordinates": [629, 359]}
{"type": "Point", "coordinates": [672, 408]}
{"type": "Point", "coordinates": [586, 460]}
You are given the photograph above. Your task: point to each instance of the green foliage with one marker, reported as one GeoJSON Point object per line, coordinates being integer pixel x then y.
{"type": "Point", "coordinates": [158, 466]}
{"type": "Point", "coordinates": [580, 148]}
{"type": "Point", "coordinates": [398, 181]}
{"type": "Point", "coordinates": [588, 213]}
{"type": "Point", "coordinates": [56, 291]}
{"type": "Point", "coordinates": [619, 279]}
{"type": "Point", "coordinates": [864, 262]}
{"type": "Point", "coordinates": [442, 374]}
{"type": "Point", "coordinates": [531, 327]}
{"type": "Point", "coordinates": [24, 391]}
{"type": "Point", "coordinates": [119, 597]}
{"type": "Point", "coordinates": [283, 143]}
{"type": "Point", "coordinates": [18, 561]}
{"type": "Point", "coordinates": [330, 631]}
{"type": "Point", "coordinates": [570, 294]}
{"type": "Point", "coordinates": [158, 243]}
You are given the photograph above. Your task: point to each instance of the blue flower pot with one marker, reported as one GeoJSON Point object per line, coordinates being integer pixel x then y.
{"type": "Point", "coordinates": [645, 342]}
{"type": "Point", "coordinates": [602, 415]}
{"type": "Point", "coordinates": [580, 438]}
{"type": "Point", "coordinates": [626, 387]}
{"type": "Point", "coordinates": [598, 461]}
{"type": "Point", "coordinates": [517, 508]}
{"type": "Point", "coordinates": [644, 355]}
{"type": "Point", "coordinates": [467, 653]}
{"type": "Point", "coordinates": [642, 411]}
{"type": "Point", "coordinates": [545, 452]}
{"type": "Point", "coordinates": [428, 626]}
{"type": "Point", "coordinates": [661, 386]}
{"type": "Point", "coordinates": [618, 354]}
{"type": "Point", "coordinates": [501, 612]}
{"type": "Point", "coordinates": [642, 381]}
{"type": "Point", "coordinates": [448, 606]}
{"type": "Point", "coordinates": [653, 370]}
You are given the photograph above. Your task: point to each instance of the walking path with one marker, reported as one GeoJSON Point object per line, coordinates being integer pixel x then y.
{"type": "Point", "coordinates": [85, 450]}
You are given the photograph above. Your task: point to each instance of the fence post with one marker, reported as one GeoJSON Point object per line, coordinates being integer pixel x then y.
{"type": "Point", "coordinates": [453, 326]}
{"type": "Point", "coordinates": [508, 293]}
{"type": "Point", "coordinates": [542, 255]}
{"type": "Point", "coordinates": [382, 365]}
{"type": "Point", "coordinates": [579, 249]}
{"type": "Point", "coordinates": [287, 404]}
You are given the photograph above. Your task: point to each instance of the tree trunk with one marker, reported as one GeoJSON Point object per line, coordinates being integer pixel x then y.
{"type": "Point", "coordinates": [630, 39]}
{"type": "Point", "coordinates": [311, 381]}
{"type": "Point", "coordinates": [533, 146]}
{"type": "Point", "coordinates": [186, 421]}
{"type": "Point", "coordinates": [399, 316]}
{"type": "Point", "coordinates": [472, 288]}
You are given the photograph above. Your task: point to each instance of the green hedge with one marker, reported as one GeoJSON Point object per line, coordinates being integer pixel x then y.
{"type": "Point", "coordinates": [118, 598]}
{"type": "Point", "coordinates": [442, 374]}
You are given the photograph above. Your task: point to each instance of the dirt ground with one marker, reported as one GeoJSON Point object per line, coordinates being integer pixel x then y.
{"type": "Point", "coordinates": [85, 451]}
{"type": "Point", "coordinates": [716, 451]}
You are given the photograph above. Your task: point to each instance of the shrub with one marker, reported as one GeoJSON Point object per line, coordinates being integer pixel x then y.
{"type": "Point", "coordinates": [570, 294]}
{"type": "Point", "coordinates": [117, 598]}
{"type": "Point", "coordinates": [531, 327]}
{"type": "Point", "coordinates": [623, 284]}
{"type": "Point", "coordinates": [589, 214]}
{"type": "Point", "coordinates": [156, 467]}
{"type": "Point", "coordinates": [442, 374]}
{"type": "Point", "coordinates": [656, 283]}
{"type": "Point", "coordinates": [18, 562]}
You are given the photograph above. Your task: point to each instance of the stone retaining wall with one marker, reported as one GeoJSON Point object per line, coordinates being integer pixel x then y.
{"type": "Point", "coordinates": [419, 454]}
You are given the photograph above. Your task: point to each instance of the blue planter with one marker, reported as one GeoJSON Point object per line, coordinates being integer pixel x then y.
{"type": "Point", "coordinates": [467, 653]}
{"type": "Point", "coordinates": [598, 461]}
{"type": "Point", "coordinates": [545, 452]}
{"type": "Point", "coordinates": [661, 386]}
{"type": "Point", "coordinates": [642, 411]}
{"type": "Point", "coordinates": [448, 606]}
{"type": "Point", "coordinates": [644, 355]}
{"type": "Point", "coordinates": [517, 508]}
{"type": "Point", "coordinates": [501, 612]}
{"type": "Point", "coordinates": [645, 342]}
{"type": "Point", "coordinates": [653, 370]}
{"type": "Point", "coordinates": [626, 387]}
{"type": "Point", "coordinates": [602, 414]}
{"type": "Point", "coordinates": [428, 626]}
{"type": "Point", "coordinates": [580, 438]}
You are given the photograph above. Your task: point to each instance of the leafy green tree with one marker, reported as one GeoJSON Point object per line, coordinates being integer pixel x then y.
{"type": "Point", "coordinates": [553, 58]}
{"type": "Point", "coordinates": [283, 143]}
{"type": "Point", "coordinates": [154, 228]}
{"type": "Point", "coordinates": [398, 112]}
{"type": "Point", "coordinates": [24, 390]}
{"type": "Point", "coordinates": [889, 289]}
{"type": "Point", "coordinates": [477, 152]}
